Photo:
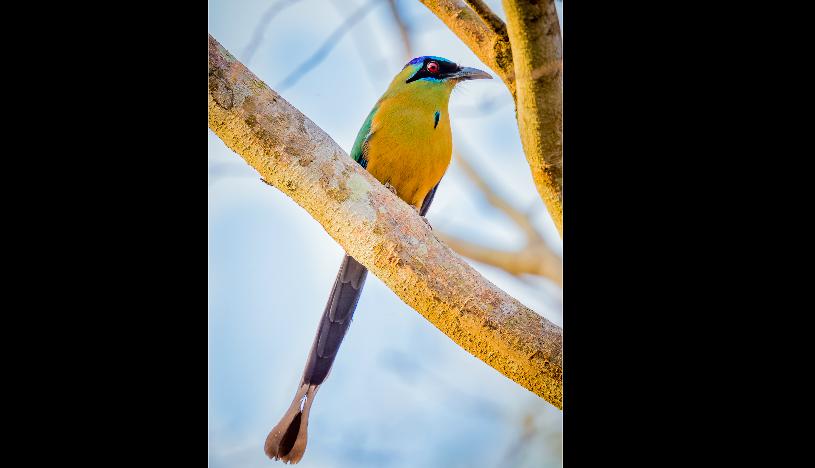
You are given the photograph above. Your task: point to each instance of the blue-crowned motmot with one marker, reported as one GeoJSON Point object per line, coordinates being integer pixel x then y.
{"type": "Point", "coordinates": [406, 144]}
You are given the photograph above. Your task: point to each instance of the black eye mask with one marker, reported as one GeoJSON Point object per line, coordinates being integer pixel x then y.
{"type": "Point", "coordinates": [445, 69]}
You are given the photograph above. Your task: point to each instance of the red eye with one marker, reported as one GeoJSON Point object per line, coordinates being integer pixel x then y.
{"type": "Point", "coordinates": [432, 67]}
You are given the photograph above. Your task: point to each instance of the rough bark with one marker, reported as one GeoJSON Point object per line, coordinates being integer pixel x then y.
{"type": "Point", "coordinates": [379, 230]}
{"type": "Point", "coordinates": [495, 23]}
{"type": "Point", "coordinates": [537, 55]}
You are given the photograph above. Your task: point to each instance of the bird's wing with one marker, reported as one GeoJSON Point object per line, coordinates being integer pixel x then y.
{"type": "Point", "coordinates": [358, 150]}
{"type": "Point", "coordinates": [428, 199]}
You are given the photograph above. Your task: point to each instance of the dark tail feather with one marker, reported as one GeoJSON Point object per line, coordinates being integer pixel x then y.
{"type": "Point", "coordinates": [336, 319]}
{"type": "Point", "coordinates": [287, 441]}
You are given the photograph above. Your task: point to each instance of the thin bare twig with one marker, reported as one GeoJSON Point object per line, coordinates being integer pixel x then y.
{"type": "Point", "coordinates": [535, 258]}
{"type": "Point", "coordinates": [496, 200]}
{"type": "Point", "coordinates": [327, 45]}
{"type": "Point", "coordinates": [371, 59]}
{"type": "Point", "coordinates": [404, 30]}
{"type": "Point", "coordinates": [528, 431]}
{"type": "Point", "coordinates": [257, 35]}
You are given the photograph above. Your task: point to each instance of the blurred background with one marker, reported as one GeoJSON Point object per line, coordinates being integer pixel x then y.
{"type": "Point", "coordinates": [401, 393]}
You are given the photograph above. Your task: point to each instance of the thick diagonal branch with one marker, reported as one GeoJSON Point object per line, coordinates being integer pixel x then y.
{"type": "Point", "coordinates": [379, 230]}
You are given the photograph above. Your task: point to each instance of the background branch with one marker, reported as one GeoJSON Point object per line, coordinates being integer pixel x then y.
{"type": "Point", "coordinates": [404, 30]}
{"type": "Point", "coordinates": [257, 35]}
{"type": "Point", "coordinates": [329, 43]}
{"type": "Point", "coordinates": [367, 49]}
{"type": "Point", "coordinates": [380, 230]}
{"type": "Point", "coordinates": [520, 219]}
{"type": "Point", "coordinates": [535, 258]}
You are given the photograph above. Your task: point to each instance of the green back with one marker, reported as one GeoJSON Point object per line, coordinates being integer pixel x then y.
{"type": "Point", "coordinates": [362, 136]}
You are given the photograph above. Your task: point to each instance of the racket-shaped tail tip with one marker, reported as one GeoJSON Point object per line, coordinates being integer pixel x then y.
{"type": "Point", "coordinates": [287, 441]}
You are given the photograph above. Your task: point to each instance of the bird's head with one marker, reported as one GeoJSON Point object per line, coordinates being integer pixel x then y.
{"type": "Point", "coordinates": [435, 72]}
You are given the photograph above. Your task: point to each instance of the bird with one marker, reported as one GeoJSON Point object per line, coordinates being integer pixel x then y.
{"type": "Point", "coordinates": [406, 144]}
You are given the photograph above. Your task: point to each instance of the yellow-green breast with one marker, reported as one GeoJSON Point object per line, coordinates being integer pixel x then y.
{"type": "Point", "coordinates": [407, 147]}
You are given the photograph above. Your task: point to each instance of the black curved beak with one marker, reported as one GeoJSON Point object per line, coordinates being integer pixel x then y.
{"type": "Point", "coordinates": [469, 73]}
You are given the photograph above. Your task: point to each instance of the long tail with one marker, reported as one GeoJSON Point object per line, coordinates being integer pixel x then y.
{"type": "Point", "coordinates": [287, 441]}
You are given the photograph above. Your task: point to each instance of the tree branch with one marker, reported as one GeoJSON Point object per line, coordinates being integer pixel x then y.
{"type": "Point", "coordinates": [366, 48]}
{"type": "Point", "coordinates": [404, 32]}
{"type": "Point", "coordinates": [257, 35]}
{"type": "Point", "coordinates": [535, 258]}
{"type": "Point", "coordinates": [492, 20]}
{"type": "Point", "coordinates": [493, 49]}
{"type": "Point", "coordinates": [498, 201]}
{"type": "Point", "coordinates": [379, 230]}
{"type": "Point", "coordinates": [329, 43]}
{"type": "Point", "coordinates": [537, 55]}
{"type": "Point", "coordinates": [532, 259]}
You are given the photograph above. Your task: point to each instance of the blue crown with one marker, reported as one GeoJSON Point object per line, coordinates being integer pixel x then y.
{"type": "Point", "coordinates": [423, 57]}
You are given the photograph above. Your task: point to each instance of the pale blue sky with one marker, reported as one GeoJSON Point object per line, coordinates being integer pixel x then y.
{"type": "Point", "coordinates": [401, 394]}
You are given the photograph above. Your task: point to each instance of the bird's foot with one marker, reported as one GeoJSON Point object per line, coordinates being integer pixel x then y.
{"type": "Point", "coordinates": [391, 188]}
